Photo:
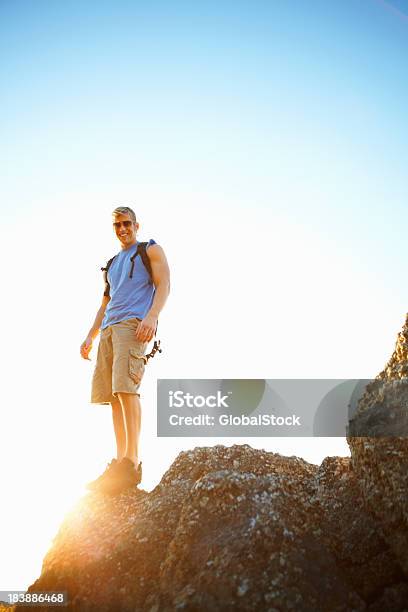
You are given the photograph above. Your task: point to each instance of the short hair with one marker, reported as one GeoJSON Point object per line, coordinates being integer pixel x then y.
{"type": "Point", "coordinates": [125, 210]}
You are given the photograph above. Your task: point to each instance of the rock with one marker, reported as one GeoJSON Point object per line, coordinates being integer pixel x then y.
{"type": "Point", "coordinates": [352, 533]}
{"type": "Point", "coordinates": [380, 456]}
{"type": "Point", "coordinates": [394, 599]}
{"type": "Point", "coordinates": [261, 533]}
{"type": "Point", "coordinates": [277, 533]}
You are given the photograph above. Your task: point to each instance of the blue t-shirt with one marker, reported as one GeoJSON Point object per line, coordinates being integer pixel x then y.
{"type": "Point", "coordinates": [130, 297]}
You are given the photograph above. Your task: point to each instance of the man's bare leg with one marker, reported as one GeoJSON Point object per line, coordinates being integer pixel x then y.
{"type": "Point", "coordinates": [131, 410]}
{"type": "Point", "coordinates": [119, 427]}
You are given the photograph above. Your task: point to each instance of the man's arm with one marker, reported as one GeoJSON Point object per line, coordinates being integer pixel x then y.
{"type": "Point", "coordinates": [161, 281]}
{"type": "Point", "coordinates": [94, 331]}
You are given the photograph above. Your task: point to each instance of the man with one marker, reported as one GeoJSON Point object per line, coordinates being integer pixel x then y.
{"type": "Point", "coordinates": [127, 318]}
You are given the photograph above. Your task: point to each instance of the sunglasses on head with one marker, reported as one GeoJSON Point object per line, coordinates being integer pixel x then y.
{"type": "Point", "coordinates": [117, 224]}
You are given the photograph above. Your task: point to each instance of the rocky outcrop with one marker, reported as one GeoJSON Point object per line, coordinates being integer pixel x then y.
{"type": "Point", "coordinates": [244, 529]}
{"type": "Point", "coordinates": [380, 456]}
{"type": "Point", "coordinates": [227, 529]}
{"type": "Point", "coordinates": [352, 533]}
{"type": "Point", "coordinates": [249, 538]}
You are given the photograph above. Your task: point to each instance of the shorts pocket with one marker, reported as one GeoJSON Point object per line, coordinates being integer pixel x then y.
{"type": "Point", "coordinates": [136, 365]}
{"type": "Point", "coordinates": [133, 324]}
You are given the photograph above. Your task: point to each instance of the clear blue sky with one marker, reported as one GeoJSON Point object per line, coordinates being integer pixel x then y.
{"type": "Point", "coordinates": [241, 93]}
{"type": "Point", "coordinates": [262, 143]}
{"type": "Point", "coordinates": [262, 100]}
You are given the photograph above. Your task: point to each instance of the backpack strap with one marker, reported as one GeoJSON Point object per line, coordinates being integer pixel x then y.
{"type": "Point", "coordinates": [105, 276]}
{"type": "Point", "coordinates": [141, 250]}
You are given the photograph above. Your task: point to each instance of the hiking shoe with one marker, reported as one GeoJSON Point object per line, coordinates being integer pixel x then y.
{"type": "Point", "coordinates": [125, 476]}
{"type": "Point", "coordinates": [110, 468]}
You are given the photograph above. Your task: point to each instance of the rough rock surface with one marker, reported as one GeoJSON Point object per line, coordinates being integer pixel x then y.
{"type": "Point", "coordinates": [352, 533]}
{"type": "Point", "coordinates": [380, 456]}
{"type": "Point", "coordinates": [228, 529]}
{"type": "Point", "coordinates": [235, 528]}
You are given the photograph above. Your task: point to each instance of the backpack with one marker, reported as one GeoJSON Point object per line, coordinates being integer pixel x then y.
{"type": "Point", "coordinates": [141, 250]}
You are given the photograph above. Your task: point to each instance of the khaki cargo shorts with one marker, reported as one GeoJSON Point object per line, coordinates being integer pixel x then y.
{"type": "Point", "coordinates": [119, 363]}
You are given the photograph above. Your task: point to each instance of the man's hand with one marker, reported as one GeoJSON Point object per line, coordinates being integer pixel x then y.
{"type": "Point", "coordinates": [86, 347]}
{"type": "Point", "coordinates": [146, 328]}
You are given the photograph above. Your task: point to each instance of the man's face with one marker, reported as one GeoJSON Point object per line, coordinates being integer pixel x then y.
{"type": "Point", "coordinates": [125, 229]}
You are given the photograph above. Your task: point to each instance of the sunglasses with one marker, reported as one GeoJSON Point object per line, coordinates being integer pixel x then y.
{"type": "Point", "coordinates": [117, 224]}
